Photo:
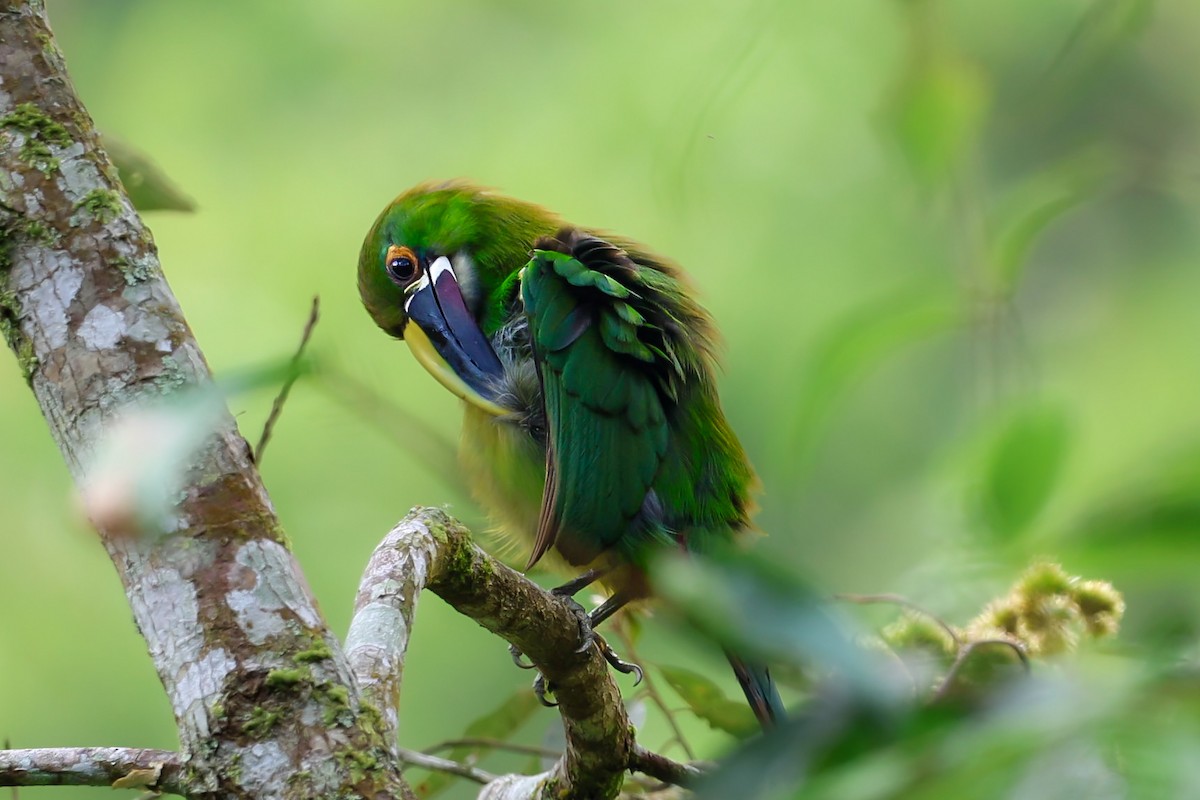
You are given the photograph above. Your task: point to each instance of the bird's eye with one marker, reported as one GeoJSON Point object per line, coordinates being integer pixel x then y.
{"type": "Point", "coordinates": [401, 264]}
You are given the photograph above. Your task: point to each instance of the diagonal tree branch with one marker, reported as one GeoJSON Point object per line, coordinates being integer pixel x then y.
{"type": "Point", "coordinates": [128, 767]}
{"type": "Point", "coordinates": [234, 632]}
{"type": "Point", "coordinates": [429, 549]}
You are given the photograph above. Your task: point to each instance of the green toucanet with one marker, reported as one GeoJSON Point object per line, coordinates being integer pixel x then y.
{"type": "Point", "coordinates": [592, 423]}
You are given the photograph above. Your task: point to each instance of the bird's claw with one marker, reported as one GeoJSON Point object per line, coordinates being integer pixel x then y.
{"type": "Point", "coordinates": [588, 637]}
{"type": "Point", "coordinates": [518, 658]}
{"type": "Point", "coordinates": [616, 662]}
{"type": "Point", "coordinates": [540, 688]}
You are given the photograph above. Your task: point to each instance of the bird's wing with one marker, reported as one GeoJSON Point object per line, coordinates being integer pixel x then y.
{"type": "Point", "coordinates": [608, 374]}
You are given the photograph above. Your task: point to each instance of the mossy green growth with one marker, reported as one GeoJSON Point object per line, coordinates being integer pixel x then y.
{"type": "Point", "coordinates": [359, 763]}
{"type": "Point", "coordinates": [286, 678]}
{"type": "Point", "coordinates": [318, 652]}
{"type": "Point", "coordinates": [260, 722]}
{"type": "Point", "coordinates": [103, 204]}
{"type": "Point", "coordinates": [10, 329]}
{"type": "Point", "coordinates": [40, 133]}
{"type": "Point", "coordinates": [336, 702]}
{"type": "Point", "coordinates": [370, 718]}
{"type": "Point", "coordinates": [234, 770]}
{"type": "Point", "coordinates": [40, 232]}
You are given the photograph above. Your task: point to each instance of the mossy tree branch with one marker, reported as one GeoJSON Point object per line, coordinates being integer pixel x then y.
{"type": "Point", "coordinates": [235, 634]}
{"type": "Point", "coordinates": [429, 549]}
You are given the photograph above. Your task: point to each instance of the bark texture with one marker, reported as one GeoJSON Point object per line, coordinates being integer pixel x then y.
{"type": "Point", "coordinates": [261, 691]}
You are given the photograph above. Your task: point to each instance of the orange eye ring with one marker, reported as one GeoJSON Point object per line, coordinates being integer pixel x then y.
{"type": "Point", "coordinates": [401, 264]}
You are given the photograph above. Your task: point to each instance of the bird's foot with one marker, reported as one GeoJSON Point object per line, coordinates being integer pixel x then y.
{"type": "Point", "coordinates": [574, 587]}
{"type": "Point", "coordinates": [616, 662]}
{"type": "Point", "coordinates": [519, 658]}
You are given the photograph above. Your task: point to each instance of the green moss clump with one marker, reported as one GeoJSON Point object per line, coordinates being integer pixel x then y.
{"type": "Point", "coordinates": [286, 678]}
{"type": "Point", "coordinates": [336, 702]}
{"type": "Point", "coordinates": [40, 232]}
{"type": "Point", "coordinates": [10, 329]}
{"type": "Point", "coordinates": [260, 722]}
{"type": "Point", "coordinates": [40, 132]}
{"type": "Point", "coordinates": [103, 204]}
{"type": "Point", "coordinates": [359, 763]}
{"type": "Point", "coordinates": [370, 718]}
{"type": "Point", "coordinates": [318, 652]}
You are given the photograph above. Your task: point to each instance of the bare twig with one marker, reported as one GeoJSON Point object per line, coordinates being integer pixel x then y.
{"type": "Point", "coordinates": [651, 690]}
{"type": "Point", "coordinates": [662, 768]}
{"type": "Point", "coordinates": [903, 602]}
{"type": "Point", "coordinates": [416, 758]}
{"type": "Point", "coordinates": [494, 744]}
{"type": "Point", "coordinates": [92, 766]}
{"type": "Point", "coordinates": [314, 315]}
{"type": "Point", "coordinates": [436, 453]}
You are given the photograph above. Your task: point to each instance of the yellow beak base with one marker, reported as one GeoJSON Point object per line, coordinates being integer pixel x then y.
{"type": "Point", "coordinates": [424, 352]}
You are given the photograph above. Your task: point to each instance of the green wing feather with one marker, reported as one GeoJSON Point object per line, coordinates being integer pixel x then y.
{"type": "Point", "coordinates": [605, 378]}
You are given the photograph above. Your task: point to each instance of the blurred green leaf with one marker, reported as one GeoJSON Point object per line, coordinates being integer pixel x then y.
{"type": "Point", "coordinates": [1037, 203]}
{"type": "Point", "coordinates": [709, 703]}
{"type": "Point", "coordinates": [1166, 501]}
{"type": "Point", "coordinates": [499, 724]}
{"type": "Point", "coordinates": [147, 185]}
{"type": "Point", "coordinates": [860, 342]}
{"type": "Point", "coordinates": [936, 112]}
{"type": "Point", "coordinates": [1105, 27]}
{"type": "Point", "coordinates": [758, 609]}
{"type": "Point", "coordinates": [1147, 531]}
{"type": "Point", "coordinates": [1022, 469]}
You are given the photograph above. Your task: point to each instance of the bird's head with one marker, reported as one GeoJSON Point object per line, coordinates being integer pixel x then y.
{"type": "Point", "coordinates": [439, 269]}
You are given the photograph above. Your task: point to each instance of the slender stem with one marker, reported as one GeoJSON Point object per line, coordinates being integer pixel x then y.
{"type": "Point", "coordinates": [293, 374]}
{"type": "Point", "coordinates": [415, 758]}
{"type": "Point", "coordinates": [662, 768]}
{"type": "Point", "coordinates": [967, 651]}
{"type": "Point", "coordinates": [651, 690]}
{"type": "Point", "coordinates": [494, 744]}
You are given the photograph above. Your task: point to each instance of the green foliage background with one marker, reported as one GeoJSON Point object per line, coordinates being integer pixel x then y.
{"type": "Point", "coordinates": [952, 246]}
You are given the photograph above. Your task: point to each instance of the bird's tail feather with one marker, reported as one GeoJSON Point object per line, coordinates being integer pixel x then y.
{"type": "Point", "coordinates": [760, 691]}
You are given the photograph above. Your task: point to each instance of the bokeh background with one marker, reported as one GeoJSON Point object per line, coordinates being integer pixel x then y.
{"type": "Point", "coordinates": [952, 247]}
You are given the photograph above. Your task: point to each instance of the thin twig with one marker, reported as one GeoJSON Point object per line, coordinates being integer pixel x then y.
{"type": "Point", "coordinates": [435, 452]}
{"type": "Point", "coordinates": [415, 758]}
{"type": "Point", "coordinates": [293, 374]}
{"type": "Point", "coordinates": [967, 650]}
{"type": "Point", "coordinates": [903, 602]}
{"type": "Point", "coordinates": [662, 768]}
{"type": "Point", "coordinates": [651, 690]}
{"type": "Point", "coordinates": [494, 744]}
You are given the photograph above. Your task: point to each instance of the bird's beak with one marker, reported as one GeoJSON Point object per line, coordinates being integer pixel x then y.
{"type": "Point", "coordinates": [447, 341]}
